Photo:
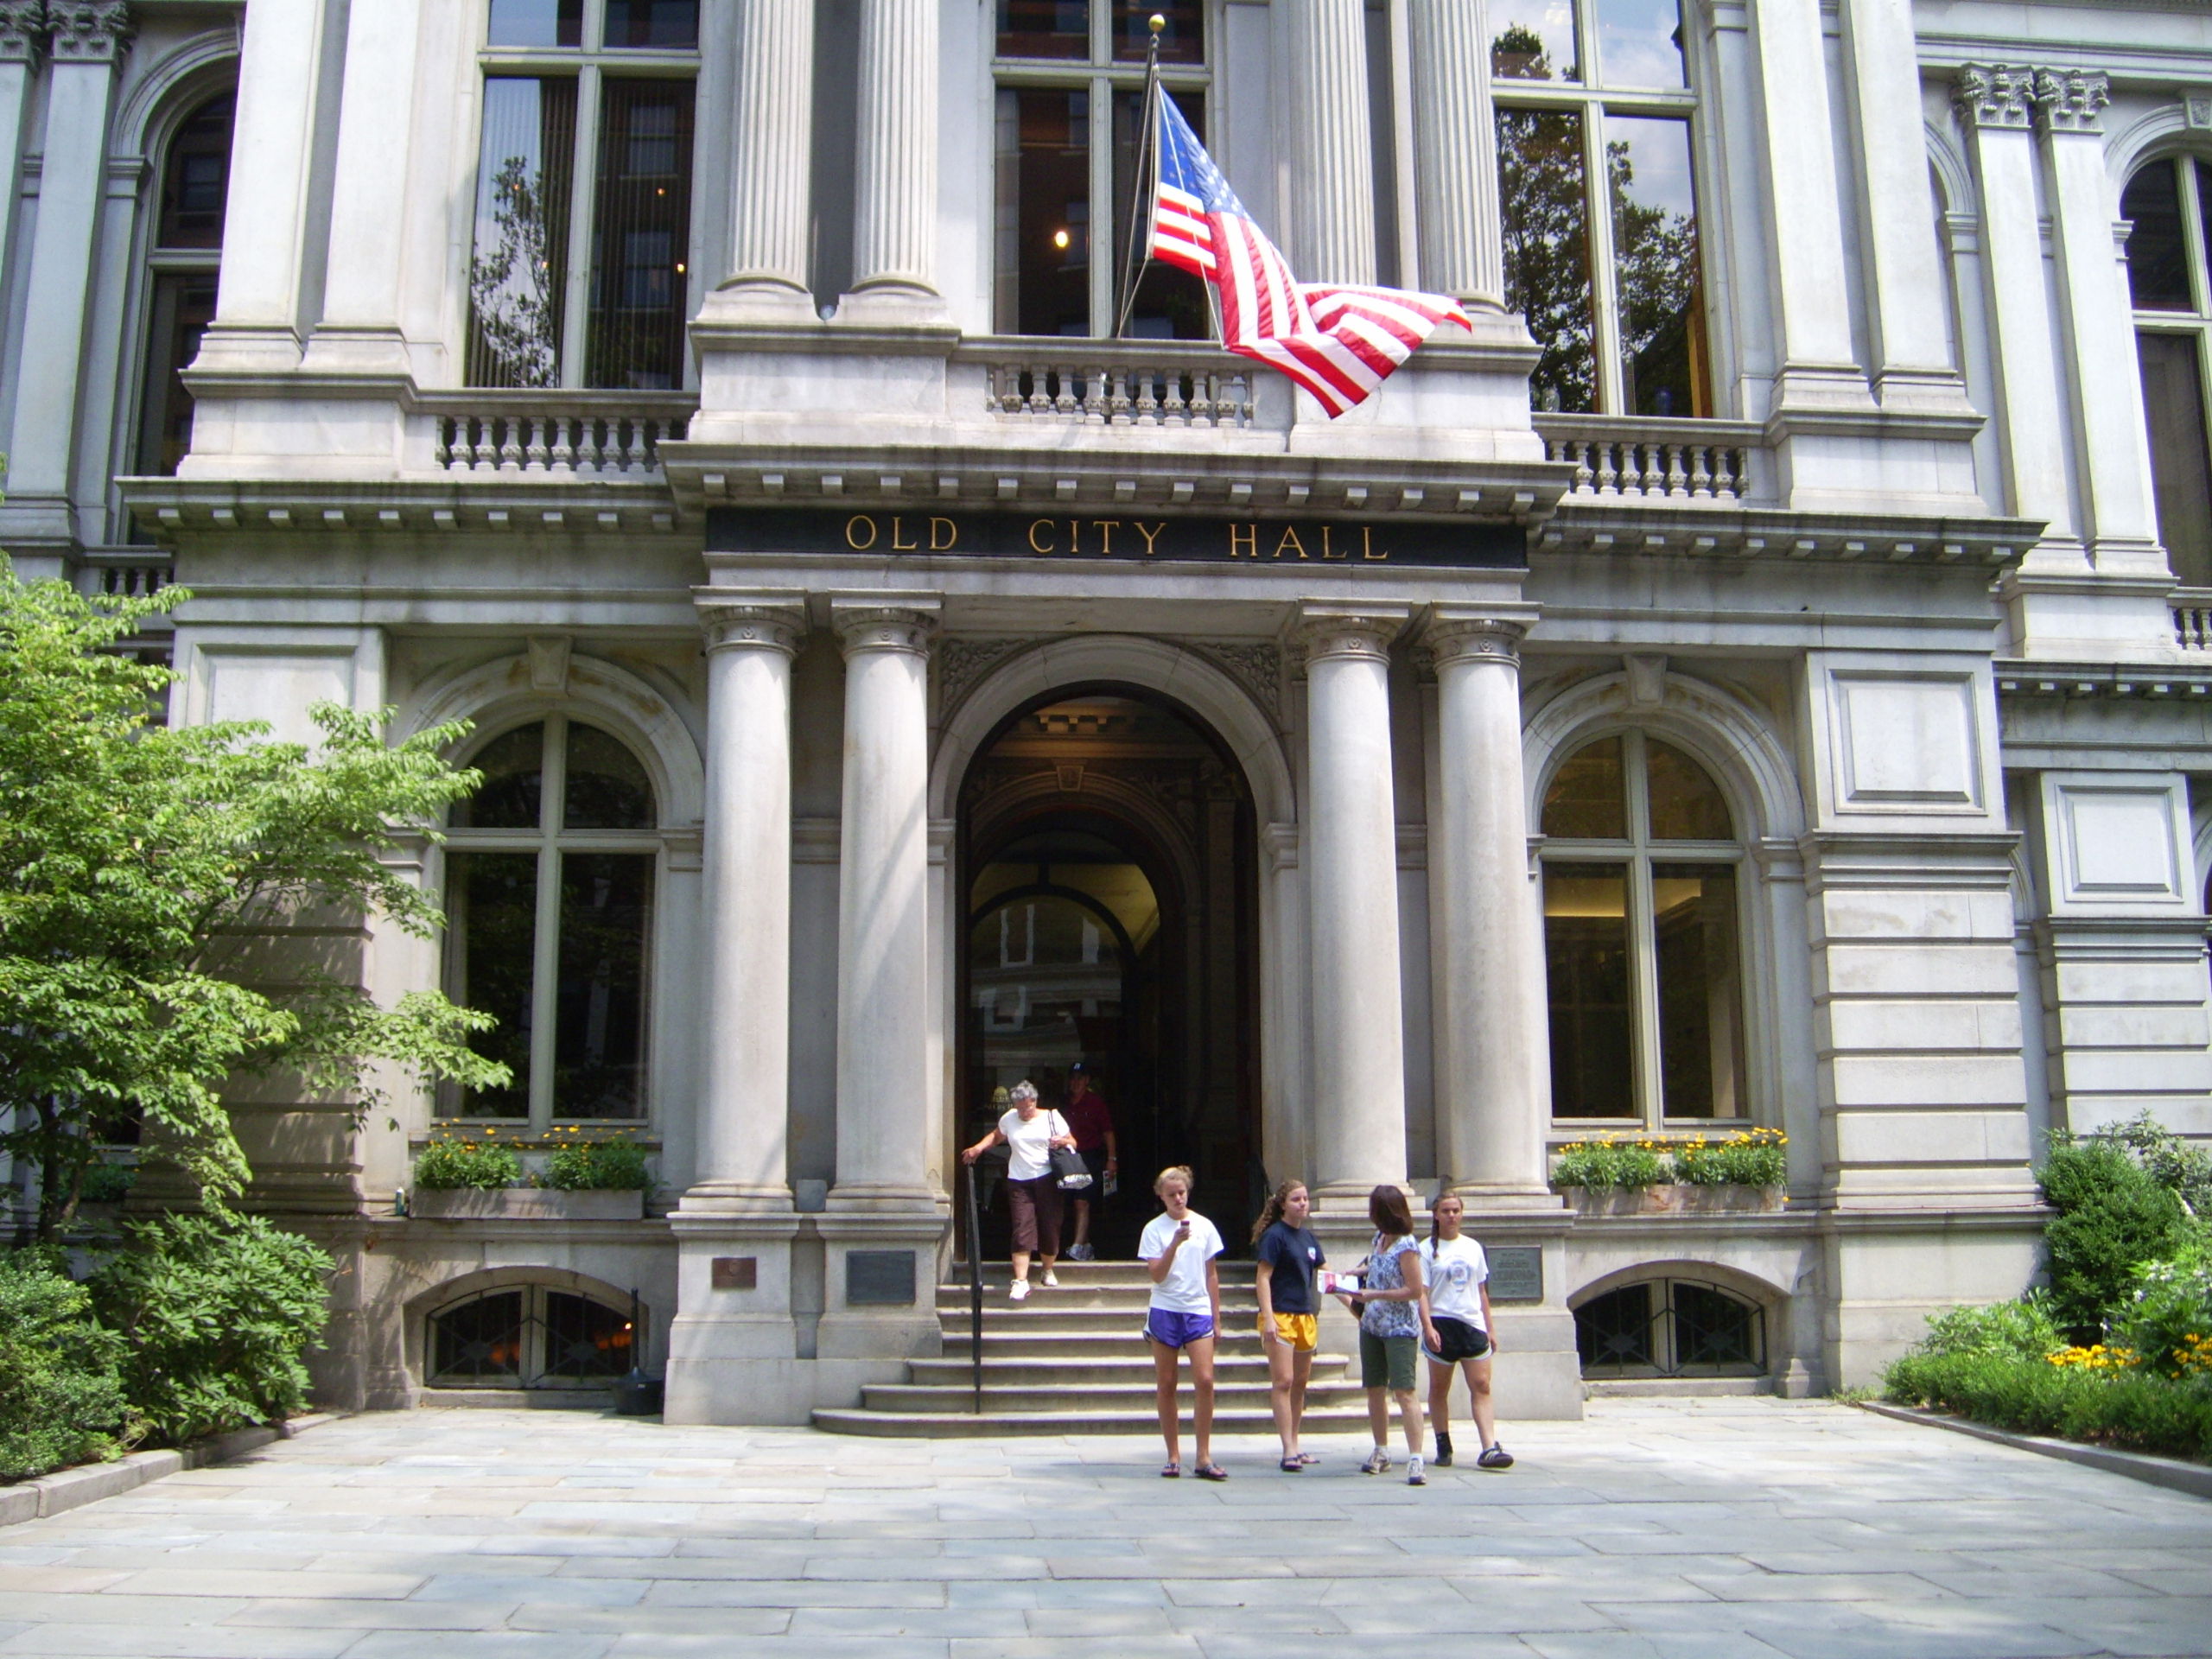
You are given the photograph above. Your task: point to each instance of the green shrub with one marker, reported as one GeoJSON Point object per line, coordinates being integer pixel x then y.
{"type": "Point", "coordinates": [597, 1165]}
{"type": "Point", "coordinates": [1755, 1158]}
{"type": "Point", "coordinates": [2113, 1214]}
{"type": "Point", "coordinates": [60, 1399]}
{"type": "Point", "coordinates": [1605, 1164]}
{"type": "Point", "coordinates": [2168, 1315]}
{"type": "Point", "coordinates": [106, 1183]}
{"type": "Point", "coordinates": [2183, 1167]}
{"type": "Point", "coordinates": [2131, 1410]}
{"type": "Point", "coordinates": [215, 1315]}
{"type": "Point", "coordinates": [482, 1164]}
{"type": "Point", "coordinates": [2021, 1329]}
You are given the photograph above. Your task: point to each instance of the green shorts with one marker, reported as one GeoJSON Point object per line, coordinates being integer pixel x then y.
{"type": "Point", "coordinates": [1387, 1362]}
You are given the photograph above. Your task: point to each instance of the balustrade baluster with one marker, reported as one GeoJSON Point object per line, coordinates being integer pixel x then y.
{"type": "Point", "coordinates": [510, 443]}
{"type": "Point", "coordinates": [1678, 478]}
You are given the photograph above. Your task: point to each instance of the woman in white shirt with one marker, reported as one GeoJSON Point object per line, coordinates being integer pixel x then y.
{"type": "Point", "coordinates": [1457, 1275]}
{"type": "Point", "coordinates": [1179, 1248]}
{"type": "Point", "coordinates": [1033, 1197]}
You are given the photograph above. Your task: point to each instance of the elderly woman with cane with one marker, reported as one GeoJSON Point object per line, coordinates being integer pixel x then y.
{"type": "Point", "coordinates": [1029, 1134]}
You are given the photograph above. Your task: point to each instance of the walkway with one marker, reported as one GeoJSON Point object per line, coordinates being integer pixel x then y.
{"type": "Point", "coordinates": [1718, 1528]}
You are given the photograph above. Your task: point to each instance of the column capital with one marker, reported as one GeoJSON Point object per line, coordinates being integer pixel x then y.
{"type": "Point", "coordinates": [22, 30]}
{"type": "Point", "coordinates": [904, 622]}
{"type": "Point", "coordinates": [89, 31]}
{"type": "Point", "coordinates": [1993, 94]}
{"type": "Point", "coordinates": [1355, 630]}
{"type": "Point", "coordinates": [2069, 100]}
{"type": "Point", "coordinates": [753, 621]}
{"type": "Point", "coordinates": [1456, 636]}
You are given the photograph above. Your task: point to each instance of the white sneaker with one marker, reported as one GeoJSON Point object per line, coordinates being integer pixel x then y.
{"type": "Point", "coordinates": [1052, 1280]}
{"type": "Point", "coordinates": [1379, 1460]}
{"type": "Point", "coordinates": [1019, 1291]}
{"type": "Point", "coordinates": [1414, 1475]}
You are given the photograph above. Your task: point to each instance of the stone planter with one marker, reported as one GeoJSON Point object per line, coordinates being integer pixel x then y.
{"type": "Point", "coordinates": [524, 1204]}
{"type": "Point", "coordinates": [1675, 1200]}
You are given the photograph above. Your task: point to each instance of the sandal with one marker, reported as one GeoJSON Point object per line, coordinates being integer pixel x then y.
{"type": "Point", "coordinates": [1292, 1465]}
{"type": "Point", "coordinates": [1212, 1471]}
{"type": "Point", "coordinates": [1308, 1459]}
{"type": "Point", "coordinates": [1171, 1471]}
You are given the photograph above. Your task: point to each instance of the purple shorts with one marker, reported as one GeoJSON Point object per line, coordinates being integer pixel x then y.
{"type": "Point", "coordinates": [1173, 1330]}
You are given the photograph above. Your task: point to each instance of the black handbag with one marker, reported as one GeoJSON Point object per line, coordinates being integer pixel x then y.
{"type": "Point", "coordinates": [1070, 1172]}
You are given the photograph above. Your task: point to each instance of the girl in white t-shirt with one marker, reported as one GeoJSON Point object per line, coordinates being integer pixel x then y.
{"type": "Point", "coordinates": [1179, 1250]}
{"type": "Point", "coordinates": [1458, 1276]}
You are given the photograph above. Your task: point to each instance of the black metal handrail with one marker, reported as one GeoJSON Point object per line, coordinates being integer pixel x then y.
{"type": "Point", "coordinates": [974, 1290]}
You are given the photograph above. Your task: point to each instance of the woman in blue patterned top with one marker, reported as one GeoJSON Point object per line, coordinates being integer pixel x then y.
{"type": "Point", "coordinates": [1393, 1308]}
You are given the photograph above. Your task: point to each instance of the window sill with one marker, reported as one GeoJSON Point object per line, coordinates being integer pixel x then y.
{"type": "Point", "coordinates": [524, 1204]}
{"type": "Point", "coordinates": [1671, 1199]}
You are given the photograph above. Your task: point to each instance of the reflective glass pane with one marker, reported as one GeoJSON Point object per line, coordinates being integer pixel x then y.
{"type": "Point", "coordinates": [1613, 1332]}
{"type": "Point", "coordinates": [1043, 223]}
{"type": "Point", "coordinates": [1685, 803]}
{"type": "Point", "coordinates": [1587, 972]}
{"type": "Point", "coordinates": [585, 1341]}
{"type": "Point", "coordinates": [1640, 43]}
{"type": "Point", "coordinates": [599, 1034]}
{"type": "Point", "coordinates": [670, 25]}
{"type": "Point", "coordinates": [183, 305]}
{"type": "Point", "coordinates": [2180, 471]}
{"type": "Point", "coordinates": [1182, 41]}
{"type": "Point", "coordinates": [492, 923]}
{"type": "Point", "coordinates": [1701, 990]}
{"type": "Point", "coordinates": [608, 786]}
{"type": "Point", "coordinates": [478, 1343]}
{"type": "Point", "coordinates": [1533, 39]}
{"type": "Point", "coordinates": [196, 184]}
{"type": "Point", "coordinates": [518, 272]}
{"type": "Point", "coordinates": [1170, 304]}
{"type": "Point", "coordinates": [1044, 29]}
{"type": "Point", "coordinates": [1044, 983]}
{"type": "Point", "coordinates": [2157, 251]}
{"type": "Point", "coordinates": [538, 23]}
{"type": "Point", "coordinates": [514, 764]}
{"type": "Point", "coordinates": [641, 236]}
{"type": "Point", "coordinates": [1656, 266]}
{"type": "Point", "coordinates": [1547, 223]}
{"type": "Point", "coordinates": [1588, 796]}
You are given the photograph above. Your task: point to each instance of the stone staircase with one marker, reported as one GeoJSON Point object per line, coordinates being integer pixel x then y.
{"type": "Point", "coordinates": [1073, 1361]}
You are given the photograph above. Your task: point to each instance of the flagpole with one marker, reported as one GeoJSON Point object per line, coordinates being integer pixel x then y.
{"type": "Point", "coordinates": [1146, 183]}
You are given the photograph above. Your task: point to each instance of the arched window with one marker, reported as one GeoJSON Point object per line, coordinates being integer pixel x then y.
{"type": "Point", "coordinates": [528, 1336]}
{"type": "Point", "coordinates": [188, 247]}
{"type": "Point", "coordinates": [1598, 187]}
{"type": "Point", "coordinates": [1670, 1327]}
{"type": "Point", "coordinates": [2170, 279]}
{"type": "Point", "coordinates": [550, 901]}
{"type": "Point", "coordinates": [1641, 937]}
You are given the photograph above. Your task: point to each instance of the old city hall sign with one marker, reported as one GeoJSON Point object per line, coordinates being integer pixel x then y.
{"type": "Point", "coordinates": [907, 533]}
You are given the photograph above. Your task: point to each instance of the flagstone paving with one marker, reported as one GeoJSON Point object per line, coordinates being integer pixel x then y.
{"type": "Point", "coordinates": [1712, 1529]}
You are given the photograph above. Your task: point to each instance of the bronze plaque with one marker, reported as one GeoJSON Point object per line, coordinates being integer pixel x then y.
{"type": "Point", "coordinates": [1516, 1272]}
{"type": "Point", "coordinates": [737, 1273]}
{"type": "Point", "coordinates": [880, 1279]}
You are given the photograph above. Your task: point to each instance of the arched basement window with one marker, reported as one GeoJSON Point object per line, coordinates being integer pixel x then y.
{"type": "Point", "coordinates": [1670, 1327]}
{"type": "Point", "coordinates": [528, 1336]}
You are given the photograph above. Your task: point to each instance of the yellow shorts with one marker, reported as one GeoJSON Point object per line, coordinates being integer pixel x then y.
{"type": "Point", "coordinates": [1301, 1331]}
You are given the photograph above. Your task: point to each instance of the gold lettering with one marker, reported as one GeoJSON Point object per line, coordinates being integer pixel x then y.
{"type": "Point", "coordinates": [1326, 552]}
{"type": "Point", "coordinates": [944, 535]}
{"type": "Point", "coordinates": [1036, 546]}
{"type": "Point", "coordinates": [1290, 539]}
{"type": "Point", "coordinates": [1246, 536]}
{"type": "Point", "coordinates": [898, 546]}
{"type": "Point", "coordinates": [1106, 528]}
{"type": "Point", "coordinates": [1151, 533]}
{"type": "Point", "coordinates": [853, 540]}
{"type": "Point", "coordinates": [1367, 545]}
{"type": "Point", "coordinates": [1074, 535]}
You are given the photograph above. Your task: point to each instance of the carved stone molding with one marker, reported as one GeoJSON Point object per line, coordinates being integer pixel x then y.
{"type": "Point", "coordinates": [762, 623]}
{"type": "Point", "coordinates": [2071, 98]}
{"type": "Point", "coordinates": [1475, 639]}
{"type": "Point", "coordinates": [89, 31]}
{"type": "Point", "coordinates": [960, 663]}
{"type": "Point", "coordinates": [865, 627]}
{"type": "Point", "coordinates": [1325, 630]}
{"type": "Point", "coordinates": [1994, 94]}
{"type": "Point", "coordinates": [1256, 666]}
{"type": "Point", "coordinates": [22, 30]}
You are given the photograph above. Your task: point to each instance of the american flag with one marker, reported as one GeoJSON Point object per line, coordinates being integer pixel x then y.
{"type": "Point", "coordinates": [1338, 343]}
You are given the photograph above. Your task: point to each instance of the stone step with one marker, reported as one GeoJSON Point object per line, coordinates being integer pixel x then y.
{"type": "Point", "coordinates": [1095, 1396]}
{"type": "Point", "coordinates": [1057, 1373]}
{"type": "Point", "coordinates": [1076, 1420]}
{"type": "Point", "coordinates": [1118, 1339]}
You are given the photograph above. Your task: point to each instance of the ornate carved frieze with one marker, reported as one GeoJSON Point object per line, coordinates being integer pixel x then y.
{"type": "Point", "coordinates": [1994, 94]}
{"type": "Point", "coordinates": [2071, 98]}
{"type": "Point", "coordinates": [22, 30]}
{"type": "Point", "coordinates": [962, 663]}
{"type": "Point", "coordinates": [89, 31]}
{"type": "Point", "coordinates": [1256, 666]}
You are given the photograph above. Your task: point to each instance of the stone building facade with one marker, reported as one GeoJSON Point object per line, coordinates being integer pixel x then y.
{"type": "Point", "coordinates": [1756, 678]}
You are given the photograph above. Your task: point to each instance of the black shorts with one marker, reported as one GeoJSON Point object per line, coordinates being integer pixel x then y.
{"type": "Point", "coordinates": [1458, 1340]}
{"type": "Point", "coordinates": [1096, 1163]}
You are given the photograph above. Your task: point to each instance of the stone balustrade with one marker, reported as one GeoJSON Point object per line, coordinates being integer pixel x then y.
{"type": "Point", "coordinates": [2192, 608]}
{"type": "Point", "coordinates": [615, 435]}
{"type": "Point", "coordinates": [1631, 457]}
{"type": "Point", "coordinates": [127, 573]}
{"type": "Point", "coordinates": [1117, 383]}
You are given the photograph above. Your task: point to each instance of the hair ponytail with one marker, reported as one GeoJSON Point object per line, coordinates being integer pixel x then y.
{"type": "Point", "coordinates": [1271, 1211]}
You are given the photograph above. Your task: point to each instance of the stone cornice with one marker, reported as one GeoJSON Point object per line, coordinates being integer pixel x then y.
{"type": "Point", "coordinates": [1656, 531]}
{"type": "Point", "coordinates": [2023, 681]}
{"type": "Point", "coordinates": [89, 31]}
{"type": "Point", "coordinates": [22, 30]}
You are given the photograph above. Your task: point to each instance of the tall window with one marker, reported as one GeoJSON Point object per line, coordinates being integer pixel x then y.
{"type": "Point", "coordinates": [1596, 186]}
{"type": "Point", "coordinates": [188, 247]}
{"type": "Point", "coordinates": [2170, 277]}
{"type": "Point", "coordinates": [1071, 96]}
{"type": "Point", "coordinates": [549, 904]}
{"type": "Point", "coordinates": [1642, 946]}
{"type": "Point", "coordinates": [580, 275]}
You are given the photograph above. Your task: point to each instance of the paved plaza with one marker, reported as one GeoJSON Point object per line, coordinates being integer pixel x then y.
{"type": "Point", "coordinates": [1712, 1529]}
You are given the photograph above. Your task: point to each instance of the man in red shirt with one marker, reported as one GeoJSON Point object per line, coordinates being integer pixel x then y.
{"type": "Point", "coordinates": [1092, 1125]}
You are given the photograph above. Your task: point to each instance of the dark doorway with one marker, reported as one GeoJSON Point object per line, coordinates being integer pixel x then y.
{"type": "Point", "coordinates": [1107, 867]}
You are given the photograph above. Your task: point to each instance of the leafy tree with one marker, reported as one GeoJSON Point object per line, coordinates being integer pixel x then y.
{"type": "Point", "coordinates": [514, 290]}
{"type": "Point", "coordinates": [142, 869]}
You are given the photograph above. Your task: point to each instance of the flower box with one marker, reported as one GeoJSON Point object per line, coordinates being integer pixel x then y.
{"type": "Point", "coordinates": [525, 1204]}
{"type": "Point", "coordinates": [1674, 1199]}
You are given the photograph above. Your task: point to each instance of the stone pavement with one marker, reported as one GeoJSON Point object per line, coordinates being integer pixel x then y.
{"type": "Point", "coordinates": [1716, 1528]}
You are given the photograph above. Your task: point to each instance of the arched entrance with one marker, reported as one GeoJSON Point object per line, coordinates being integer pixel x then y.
{"type": "Point", "coordinates": [1107, 880]}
